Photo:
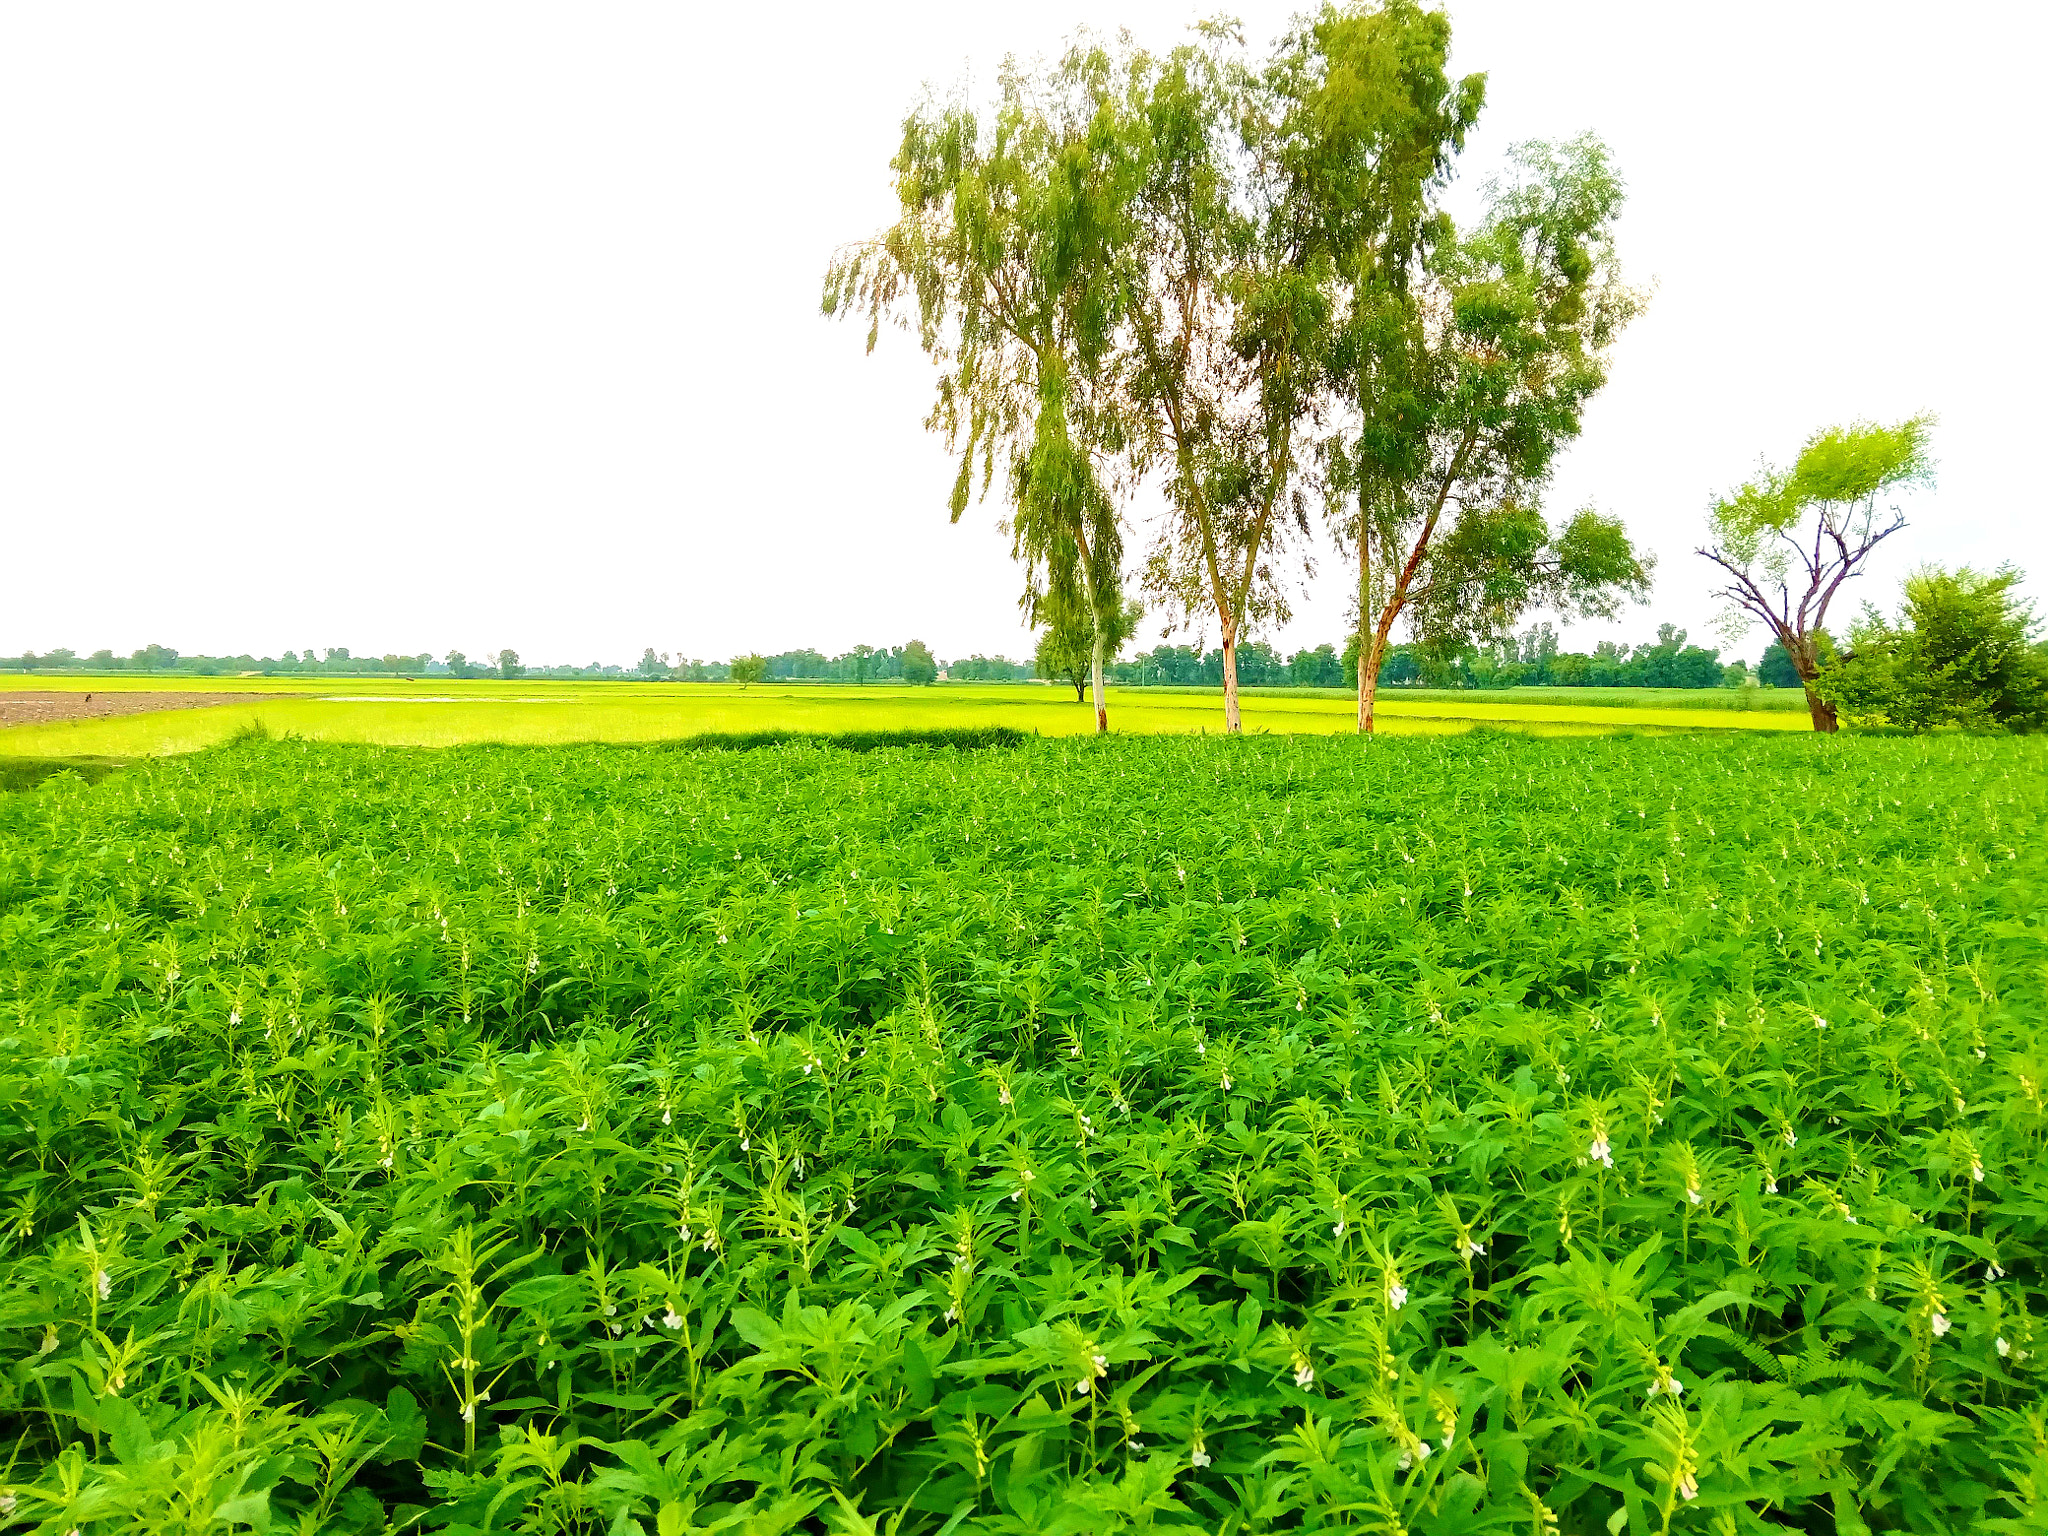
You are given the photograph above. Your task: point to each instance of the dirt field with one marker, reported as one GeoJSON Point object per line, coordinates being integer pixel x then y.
{"type": "Point", "coordinates": [51, 708]}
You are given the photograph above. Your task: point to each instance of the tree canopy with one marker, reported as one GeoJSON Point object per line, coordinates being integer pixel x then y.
{"type": "Point", "coordinates": [1786, 540]}
{"type": "Point", "coordinates": [1960, 653]}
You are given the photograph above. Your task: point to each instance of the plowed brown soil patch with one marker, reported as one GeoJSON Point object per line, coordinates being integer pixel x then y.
{"type": "Point", "coordinates": [49, 708]}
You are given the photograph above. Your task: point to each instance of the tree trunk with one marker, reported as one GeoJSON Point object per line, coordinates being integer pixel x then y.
{"type": "Point", "coordinates": [1807, 665]}
{"type": "Point", "coordinates": [1368, 679]}
{"type": "Point", "coordinates": [1233, 721]}
{"type": "Point", "coordinates": [1368, 654]}
{"type": "Point", "coordinates": [1095, 669]}
{"type": "Point", "coordinates": [1824, 718]}
{"type": "Point", "coordinates": [1080, 689]}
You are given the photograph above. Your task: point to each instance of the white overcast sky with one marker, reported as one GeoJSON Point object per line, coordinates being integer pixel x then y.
{"type": "Point", "coordinates": [417, 326]}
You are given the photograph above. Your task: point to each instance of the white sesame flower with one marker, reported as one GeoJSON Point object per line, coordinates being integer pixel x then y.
{"type": "Point", "coordinates": [683, 1231]}
{"type": "Point", "coordinates": [1977, 1169]}
{"type": "Point", "coordinates": [1473, 1250]}
{"type": "Point", "coordinates": [1197, 1457]}
{"type": "Point", "coordinates": [1226, 1082]}
{"type": "Point", "coordinates": [1002, 1094]}
{"type": "Point", "coordinates": [1693, 1195]}
{"type": "Point", "coordinates": [666, 1117]}
{"type": "Point", "coordinates": [1771, 1188]}
{"type": "Point", "coordinates": [1939, 1323]}
{"type": "Point", "coordinates": [746, 1142]}
{"type": "Point", "coordinates": [1397, 1296]}
{"type": "Point", "coordinates": [1791, 1137]}
{"type": "Point", "coordinates": [1600, 1151]}
{"type": "Point", "coordinates": [1085, 1385]}
{"type": "Point", "coordinates": [2004, 1348]}
{"type": "Point", "coordinates": [1304, 1374]}
{"type": "Point", "coordinates": [669, 1320]}
{"type": "Point", "coordinates": [6, 1503]}
{"type": "Point", "coordinates": [1688, 1487]}
{"type": "Point", "coordinates": [1994, 1270]}
{"type": "Point", "coordinates": [1338, 1229]}
{"type": "Point", "coordinates": [105, 1282]}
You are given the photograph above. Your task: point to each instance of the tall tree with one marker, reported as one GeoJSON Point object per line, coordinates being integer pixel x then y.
{"type": "Point", "coordinates": [1382, 124]}
{"type": "Point", "coordinates": [1227, 328]}
{"type": "Point", "coordinates": [1007, 260]}
{"type": "Point", "coordinates": [1787, 540]}
{"type": "Point", "coordinates": [1482, 360]}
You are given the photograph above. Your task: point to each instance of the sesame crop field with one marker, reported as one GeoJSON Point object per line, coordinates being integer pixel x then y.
{"type": "Point", "coordinates": [439, 712]}
{"type": "Point", "coordinates": [1462, 1133]}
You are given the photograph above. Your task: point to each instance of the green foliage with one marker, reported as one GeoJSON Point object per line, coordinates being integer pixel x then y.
{"type": "Point", "coordinates": [1066, 646]}
{"type": "Point", "coordinates": [1623, 1134]}
{"type": "Point", "coordinates": [1960, 654]}
{"type": "Point", "coordinates": [919, 667]}
{"type": "Point", "coordinates": [1504, 337]}
{"type": "Point", "coordinates": [19, 773]}
{"type": "Point", "coordinates": [1775, 669]}
{"type": "Point", "coordinates": [1785, 570]}
{"type": "Point", "coordinates": [1006, 261]}
{"type": "Point", "coordinates": [751, 669]}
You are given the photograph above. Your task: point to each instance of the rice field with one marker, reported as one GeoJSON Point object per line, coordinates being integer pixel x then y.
{"type": "Point", "coordinates": [444, 713]}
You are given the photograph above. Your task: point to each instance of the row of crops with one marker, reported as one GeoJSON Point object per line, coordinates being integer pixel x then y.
{"type": "Point", "coordinates": [1433, 1135]}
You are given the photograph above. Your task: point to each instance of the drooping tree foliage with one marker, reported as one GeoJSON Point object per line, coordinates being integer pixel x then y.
{"type": "Point", "coordinates": [1234, 279]}
{"type": "Point", "coordinates": [1007, 262]}
{"type": "Point", "coordinates": [1787, 540]}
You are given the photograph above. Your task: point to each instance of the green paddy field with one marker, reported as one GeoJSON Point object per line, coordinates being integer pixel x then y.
{"type": "Point", "coordinates": [444, 713]}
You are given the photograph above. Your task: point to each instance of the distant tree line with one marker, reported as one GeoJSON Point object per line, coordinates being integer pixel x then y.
{"type": "Point", "coordinates": [1532, 659]}
{"type": "Point", "coordinates": [910, 662]}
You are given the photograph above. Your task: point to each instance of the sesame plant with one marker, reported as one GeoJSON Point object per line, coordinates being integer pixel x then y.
{"type": "Point", "coordinates": [1439, 1135]}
